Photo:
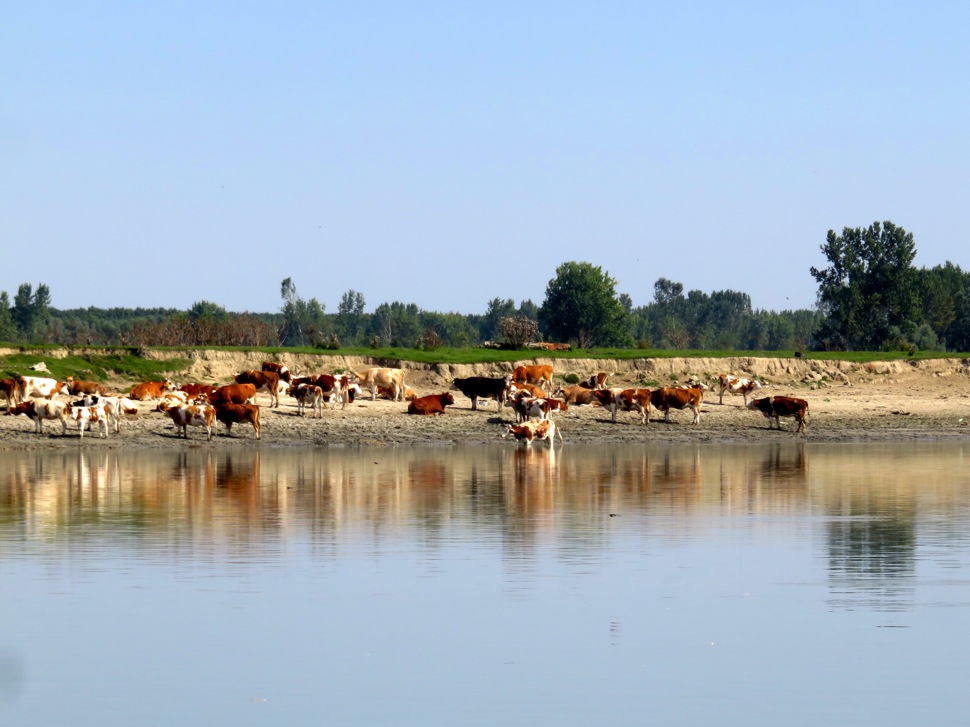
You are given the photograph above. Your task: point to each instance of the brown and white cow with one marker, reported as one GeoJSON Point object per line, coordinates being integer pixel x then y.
{"type": "Point", "coordinates": [10, 389]}
{"type": "Point", "coordinates": [515, 388]}
{"type": "Point", "coordinates": [86, 416]}
{"type": "Point", "coordinates": [148, 390]}
{"type": "Point", "coordinates": [577, 395]}
{"type": "Point", "coordinates": [775, 407]}
{"type": "Point", "coordinates": [665, 399]}
{"type": "Point", "coordinates": [596, 381]}
{"type": "Point", "coordinates": [117, 407]}
{"type": "Point", "coordinates": [539, 375]}
{"type": "Point", "coordinates": [262, 380]}
{"type": "Point", "coordinates": [279, 369]}
{"type": "Point", "coordinates": [373, 378]}
{"type": "Point", "coordinates": [431, 404]}
{"type": "Point", "coordinates": [193, 415]}
{"type": "Point", "coordinates": [614, 400]}
{"type": "Point", "coordinates": [541, 429]}
{"type": "Point", "coordinates": [736, 385]}
{"type": "Point", "coordinates": [41, 386]}
{"type": "Point", "coordinates": [233, 394]}
{"type": "Point", "coordinates": [75, 387]}
{"type": "Point", "coordinates": [308, 396]}
{"type": "Point", "coordinates": [40, 411]}
{"type": "Point", "coordinates": [230, 414]}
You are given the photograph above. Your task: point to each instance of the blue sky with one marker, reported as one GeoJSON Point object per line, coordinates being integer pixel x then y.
{"type": "Point", "coordinates": [156, 154]}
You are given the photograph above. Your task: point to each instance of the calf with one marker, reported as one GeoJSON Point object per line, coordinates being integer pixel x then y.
{"type": "Point", "coordinates": [484, 387]}
{"type": "Point", "coordinates": [76, 387]}
{"type": "Point", "coordinates": [665, 399]}
{"type": "Point", "coordinates": [193, 415]}
{"type": "Point", "coordinates": [775, 407]}
{"type": "Point", "coordinates": [735, 385]}
{"type": "Point", "coordinates": [40, 411]}
{"type": "Point", "coordinates": [230, 414]}
{"type": "Point", "coordinates": [431, 404]}
{"type": "Point", "coordinates": [86, 415]}
{"type": "Point", "coordinates": [543, 430]}
{"type": "Point", "coordinates": [308, 395]}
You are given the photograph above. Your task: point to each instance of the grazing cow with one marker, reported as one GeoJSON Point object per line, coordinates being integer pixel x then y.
{"type": "Point", "coordinates": [10, 389]}
{"type": "Point", "coordinates": [614, 400]}
{"type": "Point", "coordinates": [86, 415]}
{"type": "Point", "coordinates": [373, 378]}
{"type": "Point", "coordinates": [484, 387]}
{"type": "Point", "coordinates": [193, 415]}
{"type": "Point", "coordinates": [149, 390]}
{"type": "Point", "coordinates": [39, 386]}
{"type": "Point", "coordinates": [279, 369]}
{"type": "Point", "coordinates": [308, 395]}
{"type": "Point", "coordinates": [735, 385]}
{"type": "Point", "coordinates": [666, 399]}
{"type": "Point", "coordinates": [537, 375]}
{"type": "Point", "coordinates": [40, 411]}
{"type": "Point", "coordinates": [543, 429]}
{"type": "Point", "coordinates": [596, 381]}
{"type": "Point", "coordinates": [233, 394]}
{"type": "Point", "coordinates": [775, 407]}
{"type": "Point", "coordinates": [262, 380]}
{"type": "Point", "coordinates": [431, 404]}
{"type": "Point", "coordinates": [230, 414]}
{"type": "Point", "coordinates": [576, 395]}
{"type": "Point", "coordinates": [76, 387]}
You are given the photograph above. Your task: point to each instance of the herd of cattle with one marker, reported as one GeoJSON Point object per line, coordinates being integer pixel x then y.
{"type": "Point", "coordinates": [524, 391]}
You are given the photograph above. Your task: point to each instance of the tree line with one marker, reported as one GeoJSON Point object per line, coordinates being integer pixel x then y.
{"type": "Point", "coordinates": [870, 297]}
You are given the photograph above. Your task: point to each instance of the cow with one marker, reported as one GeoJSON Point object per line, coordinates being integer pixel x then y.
{"type": "Point", "coordinates": [193, 415]}
{"type": "Point", "coordinates": [10, 389]}
{"type": "Point", "coordinates": [735, 385]}
{"type": "Point", "coordinates": [115, 406]}
{"type": "Point", "coordinates": [281, 371]}
{"type": "Point", "coordinates": [543, 429]}
{"type": "Point", "coordinates": [86, 415]}
{"type": "Point", "coordinates": [431, 404]}
{"type": "Point", "coordinates": [41, 386]}
{"type": "Point", "coordinates": [484, 387]}
{"type": "Point", "coordinates": [76, 387]}
{"type": "Point", "coordinates": [308, 395]}
{"type": "Point", "coordinates": [665, 399]}
{"type": "Point", "coordinates": [526, 407]}
{"type": "Point", "coordinates": [172, 398]}
{"type": "Point", "coordinates": [262, 380]}
{"type": "Point", "coordinates": [385, 392]}
{"type": "Point", "coordinates": [194, 390]}
{"type": "Point", "coordinates": [533, 390]}
{"type": "Point", "coordinates": [233, 394]}
{"type": "Point", "coordinates": [614, 400]}
{"type": "Point", "coordinates": [148, 390]}
{"type": "Point", "coordinates": [775, 407]}
{"type": "Point", "coordinates": [576, 395]}
{"type": "Point", "coordinates": [596, 381]}
{"type": "Point", "coordinates": [230, 414]}
{"type": "Point", "coordinates": [40, 411]}
{"type": "Point", "coordinates": [373, 378]}
{"type": "Point", "coordinates": [537, 375]}
{"type": "Point", "coordinates": [334, 388]}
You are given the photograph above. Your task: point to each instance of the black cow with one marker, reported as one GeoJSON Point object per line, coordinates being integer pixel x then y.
{"type": "Point", "coordinates": [484, 387]}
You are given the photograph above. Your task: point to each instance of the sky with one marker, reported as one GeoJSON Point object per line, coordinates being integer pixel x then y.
{"type": "Point", "coordinates": [450, 153]}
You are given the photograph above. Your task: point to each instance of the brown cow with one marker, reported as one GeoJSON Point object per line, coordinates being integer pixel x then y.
{"type": "Point", "coordinates": [596, 381]}
{"type": "Point", "coordinates": [10, 389]}
{"type": "Point", "coordinates": [543, 429]}
{"type": "Point", "coordinates": [431, 404]}
{"type": "Point", "coordinates": [262, 380]}
{"type": "Point", "coordinates": [76, 387]}
{"type": "Point", "coordinates": [148, 390]}
{"type": "Point", "coordinates": [233, 394]}
{"type": "Point", "coordinates": [537, 375]}
{"type": "Point", "coordinates": [230, 414]}
{"type": "Point", "coordinates": [194, 390]}
{"type": "Point", "coordinates": [775, 407]}
{"type": "Point", "coordinates": [279, 369]}
{"type": "Point", "coordinates": [666, 399]}
{"type": "Point", "coordinates": [577, 395]}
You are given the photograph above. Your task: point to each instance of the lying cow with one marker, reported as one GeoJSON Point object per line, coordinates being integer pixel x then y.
{"type": "Point", "coordinates": [775, 407]}
{"type": "Point", "coordinates": [665, 399]}
{"type": "Point", "coordinates": [735, 385]}
{"type": "Point", "coordinates": [431, 404]}
{"type": "Point", "coordinates": [483, 387]}
{"type": "Point", "coordinates": [40, 411]}
{"type": "Point", "coordinates": [148, 390]}
{"type": "Point", "coordinates": [230, 414]}
{"type": "Point", "coordinates": [193, 415]}
{"type": "Point", "coordinates": [76, 387]}
{"type": "Point", "coordinates": [542, 429]}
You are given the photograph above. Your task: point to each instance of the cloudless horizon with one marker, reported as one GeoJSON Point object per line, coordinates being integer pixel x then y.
{"type": "Point", "coordinates": [445, 154]}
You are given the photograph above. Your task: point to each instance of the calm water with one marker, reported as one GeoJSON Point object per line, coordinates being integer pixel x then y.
{"type": "Point", "coordinates": [778, 585]}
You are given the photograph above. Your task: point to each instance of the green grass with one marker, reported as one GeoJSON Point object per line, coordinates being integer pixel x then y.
{"type": "Point", "coordinates": [93, 368]}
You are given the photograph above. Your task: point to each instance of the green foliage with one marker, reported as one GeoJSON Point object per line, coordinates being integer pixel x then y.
{"type": "Point", "coordinates": [581, 305]}
{"type": "Point", "coordinates": [103, 367]}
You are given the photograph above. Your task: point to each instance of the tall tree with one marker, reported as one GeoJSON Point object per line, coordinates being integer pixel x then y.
{"type": "Point", "coordinates": [869, 286]}
{"type": "Point", "coordinates": [350, 316]}
{"type": "Point", "coordinates": [303, 320]}
{"type": "Point", "coordinates": [8, 329]}
{"type": "Point", "coordinates": [581, 304]}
